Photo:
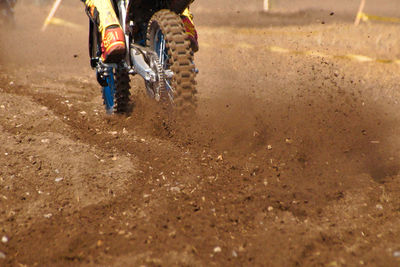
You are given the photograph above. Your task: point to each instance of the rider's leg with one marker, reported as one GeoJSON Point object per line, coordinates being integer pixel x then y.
{"type": "Point", "coordinates": [187, 19]}
{"type": "Point", "coordinates": [113, 39]}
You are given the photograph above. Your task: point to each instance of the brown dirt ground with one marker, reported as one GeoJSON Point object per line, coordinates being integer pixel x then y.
{"type": "Point", "coordinates": [291, 160]}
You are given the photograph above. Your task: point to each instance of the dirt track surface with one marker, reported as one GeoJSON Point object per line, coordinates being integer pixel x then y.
{"type": "Point", "coordinates": [292, 160]}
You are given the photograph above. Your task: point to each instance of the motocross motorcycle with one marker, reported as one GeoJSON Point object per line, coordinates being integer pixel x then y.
{"type": "Point", "coordinates": [7, 12]}
{"type": "Point", "coordinates": [158, 49]}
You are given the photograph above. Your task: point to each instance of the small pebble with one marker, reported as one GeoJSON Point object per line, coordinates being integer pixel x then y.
{"type": "Point", "coordinates": [270, 208]}
{"type": "Point", "coordinates": [379, 207]}
{"type": "Point", "coordinates": [48, 216]}
{"type": "Point", "coordinates": [234, 254]}
{"type": "Point", "coordinates": [217, 249]}
{"type": "Point", "coordinates": [4, 239]}
{"type": "Point", "coordinates": [269, 147]}
{"type": "Point", "coordinates": [58, 179]}
{"type": "Point", "coordinates": [396, 254]}
{"type": "Point", "coordinates": [175, 189]}
{"type": "Point", "coordinates": [83, 112]}
{"type": "Point", "coordinates": [2, 255]}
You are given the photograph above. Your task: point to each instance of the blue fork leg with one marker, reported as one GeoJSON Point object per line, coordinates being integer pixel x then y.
{"type": "Point", "coordinates": [109, 92]}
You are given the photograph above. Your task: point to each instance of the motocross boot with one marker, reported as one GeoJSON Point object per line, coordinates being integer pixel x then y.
{"type": "Point", "coordinates": [113, 39]}
{"type": "Point", "coordinates": [187, 19]}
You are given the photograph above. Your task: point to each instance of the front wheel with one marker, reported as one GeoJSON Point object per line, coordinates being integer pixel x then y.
{"type": "Point", "coordinates": [167, 38]}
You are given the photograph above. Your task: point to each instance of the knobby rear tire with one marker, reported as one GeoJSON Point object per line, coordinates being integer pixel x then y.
{"type": "Point", "coordinates": [180, 58]}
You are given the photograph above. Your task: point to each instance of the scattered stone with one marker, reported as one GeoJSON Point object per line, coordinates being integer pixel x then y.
{"type": "Point", "coordinates": [2, 255]}
{"type": "Point", "coordinates": [288, 141]}
{"type": "Point", "coordinates": [83, 113]}
{"type": "Point", "coordinates": [45, 141]}
{"type": "Point", "coordinates": [58, 179]}
{"type": "Point", "coordinates": [379, 207]}
{"type": "Point", "coordinates": [114, 158]}
{"type": "Point", "coordinates": [234, 254]}
{"type": "Point", "coordinates": [396, 254]}
{"type": "Point", "coordinates": [219, 158]}
{"type": "Point", "coordinates": [48, 216]}
{"type": "Point", "coordinates": [143, 140]}
{"type": "Point", "coordinates": [4, 239]}
{"type": "Point", "coordinates": [2, 106]}
{"type": "Point", "coordinates": [269, 147]}
{"type": "Point", "coordinates": [113, 133]}
{"type": "Point", "coordinates": [270, 208]}
{"type": "Point", "coordinates": [217, 249]}
{"type": "Point", "coordinates": [124, 131]}
{"type": "Point", "coordinates": [175, 189]}
{"type": "Point", "coordinates": [11, 83]}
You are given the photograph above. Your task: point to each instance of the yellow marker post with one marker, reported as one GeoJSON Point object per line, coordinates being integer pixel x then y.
{"type": "Point", "coordinates": [360, 13]}
{"type": "Point", "coordinates": [51, 14]}
{"type": "Point", "coordinates": [267, 5]}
